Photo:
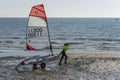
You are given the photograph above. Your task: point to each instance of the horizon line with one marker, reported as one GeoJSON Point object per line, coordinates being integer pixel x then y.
{"type": "Point", "coordinates": [64, 17]}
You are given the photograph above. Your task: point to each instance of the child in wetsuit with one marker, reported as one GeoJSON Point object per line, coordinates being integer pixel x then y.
{"type": "Point", "coordinates": [63, 52]}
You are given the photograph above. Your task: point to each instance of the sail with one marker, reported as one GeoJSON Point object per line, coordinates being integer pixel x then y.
{"type": "Point", "coordinates": [37, 36]}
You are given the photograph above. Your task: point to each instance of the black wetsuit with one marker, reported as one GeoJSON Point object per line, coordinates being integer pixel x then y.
{"type": "Point", "coordinates": [63, 55]}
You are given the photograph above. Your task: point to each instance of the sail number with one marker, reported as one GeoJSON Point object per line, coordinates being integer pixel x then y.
{"type": "Point", "coordinates": [34, 32]}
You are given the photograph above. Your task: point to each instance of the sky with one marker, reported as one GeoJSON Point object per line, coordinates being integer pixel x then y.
{"type": "Point", "coordinates": [62, 8]}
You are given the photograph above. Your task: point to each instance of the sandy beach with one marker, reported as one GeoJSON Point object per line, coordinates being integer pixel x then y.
{"type": "Point", "coordinates": [81, 66]}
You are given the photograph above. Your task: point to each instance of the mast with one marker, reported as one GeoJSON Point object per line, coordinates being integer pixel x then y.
{"type": "Point", "coordinates": [49, 37]}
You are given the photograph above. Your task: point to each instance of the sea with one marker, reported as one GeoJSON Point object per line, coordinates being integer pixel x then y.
{"type": "Point", "coordinates": [85, 35]}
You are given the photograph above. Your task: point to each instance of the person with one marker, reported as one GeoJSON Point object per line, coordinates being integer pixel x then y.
{"type": "Point", "coordinates": [63, 52]}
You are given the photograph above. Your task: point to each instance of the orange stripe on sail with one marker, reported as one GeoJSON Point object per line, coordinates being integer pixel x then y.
{"type": "Point", "coordinates": [38, 11]}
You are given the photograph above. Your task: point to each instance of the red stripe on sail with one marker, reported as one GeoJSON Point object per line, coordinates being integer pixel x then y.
{"type": "Point", "coordinates": [38, 11]}
{"type": "Point", "coordinates": [29, 47]}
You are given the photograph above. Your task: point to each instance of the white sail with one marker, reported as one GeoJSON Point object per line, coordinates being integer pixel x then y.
{"type": "Point", "coordinates": [37, 30]}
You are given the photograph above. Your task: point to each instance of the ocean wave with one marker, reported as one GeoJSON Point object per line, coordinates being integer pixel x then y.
{"type": "Point", "coordinates": [54, 42]}
{"type": "Point", "coordinates": [98, 39]}
{"type": "Point", "coordinates": [15, 37]}
{"type": "Point", "coordinates": [8, 41]}
{"type": "Point", "coordinates": [109, 48]}
{"type": "Point", "coordinates": [69, 42]}
{"type": "Point", "coordinates": [61, 38]}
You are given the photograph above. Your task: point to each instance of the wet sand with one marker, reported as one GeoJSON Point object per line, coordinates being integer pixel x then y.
{"type": "Point", "coordinates": [85, 66]}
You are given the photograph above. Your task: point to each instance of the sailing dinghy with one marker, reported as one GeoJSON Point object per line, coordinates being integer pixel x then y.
{"type": "Point", "coordinates": [37, 37]}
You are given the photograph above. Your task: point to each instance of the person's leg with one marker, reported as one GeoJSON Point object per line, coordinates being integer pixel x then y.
{"type": "Point", "coordinates": [65, 58]}
{"type": "Point", "coordinates": [61, 59]}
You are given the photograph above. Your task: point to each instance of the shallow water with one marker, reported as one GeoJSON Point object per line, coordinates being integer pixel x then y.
{"type": "Point", "coordinates": [76, 69]}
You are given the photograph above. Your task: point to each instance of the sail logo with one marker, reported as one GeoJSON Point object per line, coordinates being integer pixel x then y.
{"type": "Point", "coordinates": [35, 32]}
{"type": "Point", "coordinates": [36, 12]}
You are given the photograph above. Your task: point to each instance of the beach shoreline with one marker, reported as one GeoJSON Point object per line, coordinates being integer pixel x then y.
{"type": "Point", "coordinates": [102, 55]}
{"type": "Point", "coordinates": [81, 66]}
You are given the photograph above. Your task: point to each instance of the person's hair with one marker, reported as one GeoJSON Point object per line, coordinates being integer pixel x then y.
{"type": "Point", "coordinates": [66, 44]}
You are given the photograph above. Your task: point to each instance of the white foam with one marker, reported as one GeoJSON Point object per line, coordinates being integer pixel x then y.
{"type": "Point", "coordinates": [5, 53]}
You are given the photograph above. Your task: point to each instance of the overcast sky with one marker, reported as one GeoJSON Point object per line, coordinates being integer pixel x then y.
{"type": "Point", "coordinates": [62, 8]}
